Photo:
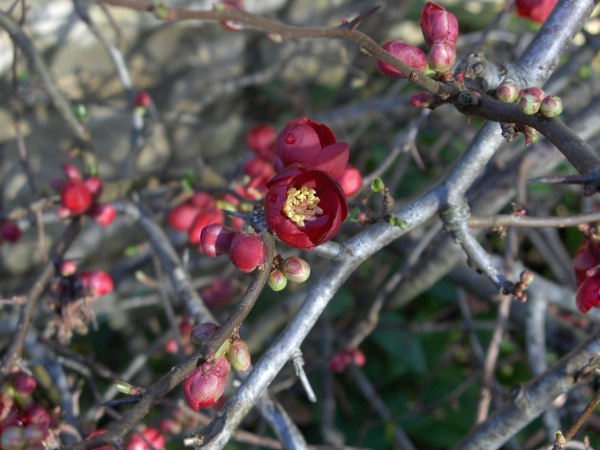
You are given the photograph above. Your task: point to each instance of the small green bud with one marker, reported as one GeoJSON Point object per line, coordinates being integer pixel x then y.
{"type": "Point", "coordinates": [128, 389]}
{"type": "Point", "coordinates": [551, 106]}
{"type": "Point", "coordinates": [530, 100]}
{"type": "Point", "coordinates": [377, 185]}
{"type": "Point", "coordinates": [162, 12]}
{"type": "Point", "coordinates": [238, 356]}
{"type": "Point", "coordinates": [527, 277]}
{"type": "Point", "coordinates": [277, 280]}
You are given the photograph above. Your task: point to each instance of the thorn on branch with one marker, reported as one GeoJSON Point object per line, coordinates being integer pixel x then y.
{"type": "Point", "coordinates": [354, 22]}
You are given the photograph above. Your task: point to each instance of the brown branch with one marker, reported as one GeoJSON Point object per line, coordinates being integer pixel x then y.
{"type": "Point", "coordinates": [15, 347]}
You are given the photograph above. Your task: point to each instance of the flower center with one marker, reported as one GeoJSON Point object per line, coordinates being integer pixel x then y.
{"type": "Point", "coordinates": [301, 205]}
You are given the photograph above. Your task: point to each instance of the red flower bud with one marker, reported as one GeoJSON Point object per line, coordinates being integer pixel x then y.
{"type": "Point", "coordinates": [296, 269]}
{"type": "Point", "coordinates": [530, 100]}
{"type": "Point", "coordinates": [152, 435]}
{"type": "Point", "coordinates": [218, 294]}
{"type": "Point", "coordinates": [587, 257]}
{"type": "Point", "coordinates": [76, 197]}
{"type": "Point", "coordinates": [94, 184]}
{"type": "Point", "coordinates": [409, 54]}
{"type": "Point", "coordinates": [103, 213]}
{"type": "Point", "coordinates": [536, 10]}
{"type": "Point", "coordinates": [507, 92]}
{"type": "Point", "coordinates": [421, 99]}
{"type": "Point", "coordinates": [238, 356]}
{"type": "Point", "coordinates": [205, 385]}
{"type": "Point", "coordinates": [142, 99]}
{"type": "Point", "coordinates": [437, 24]}
{"type": "Point", "coordinates": [182, 216]}
{"type": "Point", "coordinates": [202, 220]}
{"type": "Point", "coordinates": [24, 384]}
{"type": "Point", "coordinates": [307, 142]}
{"type": "Point", "coordinates": [341, 360]}
{"type": "Point", "coordinates": [202, 331]}
{"type": "Point", "coordinates": [261, 139]}
{"type": "Point", "coordinates": [442, 56]}
{"type": "Point", "coordinates": [216, 239]}
{"type": "Point", "coordinates": [10, 231]}
{"type": "Point", "coordinates": [67, 268]}
{"type": "Point", "coordinates": [97, 282]}
{"type": "Point", "coordinates": [350, 180]}
{"type": "Point", "coordinates": [551, 106]}
{"type": "Point", "coordinates": [247, 252]}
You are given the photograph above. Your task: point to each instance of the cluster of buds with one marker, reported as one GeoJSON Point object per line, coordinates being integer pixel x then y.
{"type": "Point", "coordinates": [587, 273]}
{"type": "Point", "coordinates": [530, 101]}
{"type": "Point", "coordinates": [9, 231]}
{"type": "Point", "coordinates": [206, 384]}
{"type": "Point", "coordinates": [525, 280]}
{"type": "Point", "coordinates": [342, 359]}
{"type": "Point", "coordinates": [293, 268]}
{"type": "Point", "coordinates": [440, 30]}
{"type": "Point", "coordinates": [246, 251]}
{"type": "Point", "coordinates": [195, 214]}
{"type": "Point", "coordinates": [24, 424]}
{"type": "Point", "coordinates": [73, 284]}
{"type": "Point", "coordinates": [185, 329]}
{"type": "Point", "coordinates": [79, 196]}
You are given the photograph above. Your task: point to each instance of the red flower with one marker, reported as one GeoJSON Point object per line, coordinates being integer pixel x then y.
{"type": "Point", "coordinates": [409, 54]}
{"type": "Point", "coordinates": [536, 10]}
{"type": "Point", "coordinates": [586, 260]}
{"type": "Point", "coordinates": [76, 197]}
{"type": "Point", "coordinates": [96, 282]}
{"type": "Point", "coordinates": [151, 435]}
{"type": "Point", "coordinates": [588, 294]}
{"type": "Point", "coordinates": [304, 206]}
{"type": "Point", "coordinates": [437, 24]}
{"type": "Point", "coordinates": [261, 139]}
{"type": "Point", "coordinates": [306, 142]}
{"type": "Point", "coordinates": [260, 171]}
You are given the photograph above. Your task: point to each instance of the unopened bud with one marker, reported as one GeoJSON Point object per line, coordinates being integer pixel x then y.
{"type": "Point", "coordinates": [377, 185]}
{"type": "Point", "coordinates": [238, 356]}
{"type": "Point", "coordinates": [128, 389]}
{"type": "Point", "coordinates": [530, 100]}
{"type": "Point", "coordinates": [216, 239]}
{"type": "Point", "coordinates": [551, 106]}
{"type": "Point", "coordinates": [296, 269]}
{"type": "Point", "coordinates": [421, 99]}
{"type": "Point", "coordinates": [408, 54]}
{"type": "Point", "coordinates": [442, 56]}
{"type": "Point", "coordinates": [507, 92]}
{"type": "Point", "coordinates": [527, 277]}
{"type": "Point", "coordinates": [277, 280]}
{"type": "Point", "coordinates": [437, 24]}
{"type": "Point", "coordinates": [162, 12]}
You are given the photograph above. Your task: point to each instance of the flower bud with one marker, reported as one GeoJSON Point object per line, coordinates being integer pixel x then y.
{"type": "Point", "coordinates": [507, 91]}
{"type": "Point", "coordinates": [202, 331]}
{"type": "Point", "coordinates": [216, 238]}
{"type": "Point", "coordinates": [408, 54]}
{"type": "Point", "coordinates": [527, 277]}
{"type": "Point", "coordinates": [12, 438]}
{"type": "Point", "coordinates": [76, 197]}
{"type": "Point", "coordinates": [421, 99]}
{"type": "Point", "coordinates": [205, 385]}
{"type": "Point", "coordinates": [296, 269]}
{"type": "Point", "coordinates": [238, 356]}
{"type": "Point", "coordinates": [94, 184]}
{"type": "Point", "coordinates": [350, 180]}
{"type": "Point", "coordinates": [261, 140]}
{"type": "Point", "coordinates": [97, 282]}
{"type": "Point", "coordinates": [437, 24]}
{"type": "Point", "coordinates": [551, 106]}
{"type": "Point", "coordinates": [277, 280]}
{"type": "Point", "coordinates": [247, 252]}
{"type": "Point", "coordinates": [151, 436]}
{"type": "Point", "coordinates": [103, 213]}
{"type": "Point", "coordinates": [24, 385]}
{"type": "Point", "coordinates": [71, 172]}
{"type": "Point", "coordinates": [142, 99]}
{"type": "Point", "coordinates": [530, 100]}
{"type": "Point", "coordinates": [67, 268]}
{"type": "Point", "coordinates": [10, 231]}
{"type": "Point", "coordinates": [377, 185]}
{"type": "Point", "coordinates": [531, 134]}
{"type": "Point", "coordinates": [442, 56]}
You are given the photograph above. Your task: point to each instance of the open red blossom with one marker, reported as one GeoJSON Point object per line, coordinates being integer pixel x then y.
{"type": "Point", "coordinates": [260, 171]}
{"type": "Point", "coordinates": [588, 294]}
{"type": "Point", "coordinates": [409, 54]}
{"type": "Point", "coordinates": [304, 206]}
{"type": "Point", "coordinates": [306, 142]}
{"type": "Point", "coordinates": [536, 10]}
{"type": "Point", "coordinates": [206, 384]}
{"type": "Point", "coordinates": [437, 24]}
{"type": "Point", "coordinates": [586, 260]}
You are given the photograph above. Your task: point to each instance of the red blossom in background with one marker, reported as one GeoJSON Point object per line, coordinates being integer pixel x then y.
{"type": "Point", "coordinates": [409, 54]}
{"type": "Point", "coordinates": [9, 231]}
{"type": "Point", "coordinates": [304, 206]}
{"type": "Point", "coordinates": [151, 435]}
{"type": "Point", "coordinates": [535, 10]}
{"type": "Point", "coordinates": [587, 272]}
{"type": "Point", "coordinates": [261, 139]}
{"type": "Point", "coordinates": [342, 359]}
{"type": "Point", "coordinates": [350, 180]}
{"type": "Point", "coordinates": [96, 282]}
{"type": "Point", "coordinates": [306, 142]}
{"type": "Point", "coordinates": [194, 215]}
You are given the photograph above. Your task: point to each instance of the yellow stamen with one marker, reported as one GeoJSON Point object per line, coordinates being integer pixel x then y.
{"type": "Point", "coordinates": [301, 205]}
